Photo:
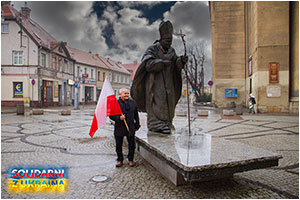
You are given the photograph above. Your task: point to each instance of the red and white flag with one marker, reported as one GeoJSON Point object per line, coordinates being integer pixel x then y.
{"type": "Point", "coordinates": [107, 105]}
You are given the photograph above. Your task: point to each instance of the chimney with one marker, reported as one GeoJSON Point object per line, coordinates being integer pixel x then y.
{"type": "Point", "coordinates": [90, 52]}
{"type": "Point", "coordinates": [135, 62]}
{"type": "Point", "coordinates": [97, 55]}
{"type": "Point", "coordinates": [26, 11]}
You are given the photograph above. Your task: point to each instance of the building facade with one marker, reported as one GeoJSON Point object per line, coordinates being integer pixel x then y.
{"type": "Point", "coordinates": [255, 49]}
{"type": "Point", "coordinates": [39, 69]}
{"type": "Point", "coordinates": [35, 67]}
{"type": "Point", "coordinates": [119, 76]}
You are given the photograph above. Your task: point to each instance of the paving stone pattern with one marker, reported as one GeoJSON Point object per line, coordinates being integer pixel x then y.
{"type": "Point", "coordinates": [53, 139]}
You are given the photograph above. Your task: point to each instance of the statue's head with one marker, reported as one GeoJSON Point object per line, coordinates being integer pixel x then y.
{"type": "Point", "coordinates": [166, 34]}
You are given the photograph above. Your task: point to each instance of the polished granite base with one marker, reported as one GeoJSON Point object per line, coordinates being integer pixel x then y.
{"type": "Point", "coordinates": [200, 157]}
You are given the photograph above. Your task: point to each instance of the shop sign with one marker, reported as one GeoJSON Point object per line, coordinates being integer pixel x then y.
{"type": "Point", "coordinates": [18, 89]}
{"type": "Point", "coordinates": [93, 81]}
{"type": "Point", "coordinates": [85, 75]}
{"type": "Point", "coordinates": [55, 89]}
{"type": "Point", "coordinates": [71, 82]}
{"type": "Point", "coordinates": [231, 92]}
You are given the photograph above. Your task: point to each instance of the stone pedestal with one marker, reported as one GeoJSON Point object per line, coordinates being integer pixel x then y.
{"type": "Point", "coordinates": [200, 157]}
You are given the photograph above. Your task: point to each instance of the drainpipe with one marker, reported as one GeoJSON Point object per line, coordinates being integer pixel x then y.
{"type": "Point", "coordinates": [39, 74]}
{"type": "Point", "coordinates": [246, 61]}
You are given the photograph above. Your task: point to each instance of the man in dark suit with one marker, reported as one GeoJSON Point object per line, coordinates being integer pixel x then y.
{"type": "Point", "coordinates": [130, 114]}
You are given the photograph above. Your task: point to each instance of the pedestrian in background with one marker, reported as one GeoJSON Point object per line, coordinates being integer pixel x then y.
{"type": "Point", "coordinates": [252, 103]}
{"type": "Point", "coordinates": [130, 114]}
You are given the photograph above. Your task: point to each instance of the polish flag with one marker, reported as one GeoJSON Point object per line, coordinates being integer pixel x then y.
{"type": "Point", "coordinates": [107, 105]}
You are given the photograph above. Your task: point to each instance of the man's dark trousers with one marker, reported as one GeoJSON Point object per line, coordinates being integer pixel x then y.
{"type": "Point", "coordinates": [131, 147]}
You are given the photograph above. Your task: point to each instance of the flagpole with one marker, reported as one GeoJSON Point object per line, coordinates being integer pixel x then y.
{"type": "Point", "coordinates": [125, 123]}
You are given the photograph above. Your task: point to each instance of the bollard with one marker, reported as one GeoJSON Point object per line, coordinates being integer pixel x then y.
{"type": "Point", "coordinates": [20, 109]}
{"type": "Point", "coordinates": [202, 112]}
{"type": "Point", "coordinates": [228, 112]}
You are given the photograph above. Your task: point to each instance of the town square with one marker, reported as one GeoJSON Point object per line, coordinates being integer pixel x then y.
{"type": "Point", "coordinates": [209, 105]}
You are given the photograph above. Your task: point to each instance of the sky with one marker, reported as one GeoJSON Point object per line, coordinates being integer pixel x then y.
{"type": "Point", "coordinates": [122, 30]}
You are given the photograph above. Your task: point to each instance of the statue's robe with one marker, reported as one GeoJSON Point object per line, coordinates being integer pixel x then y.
{"type": "Point", "coordinates": [156, 87]}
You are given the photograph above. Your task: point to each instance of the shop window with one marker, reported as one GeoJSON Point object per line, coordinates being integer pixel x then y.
{"type": "Point", "coordinates": [18, 57]}
{"type": "Point", "coordinates": [18, 89]}
{"type": "Point", "coordinates": [4, 28]}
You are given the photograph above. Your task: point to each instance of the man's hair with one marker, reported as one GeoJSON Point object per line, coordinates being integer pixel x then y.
{"type": "Point", "coordinates": [122, 89]}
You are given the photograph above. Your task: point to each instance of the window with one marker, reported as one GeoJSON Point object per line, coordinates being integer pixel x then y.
{"type": "Point", "coordinates": [66, 66]}
{"type": "Point", "coordinates": [99, 76]}
{"type": "Point", "coordinates": [4, 28]}
{"type": "Point", "coordinates": [78, 68]}
{"type": "Point", "coordinates": [92, 72]}
{"type": "Point", "coordinates": [18, 57]}
{"type": "Point", "coordinates": [18, 89]}
{"type": "Point", "coordinates": [103, 76]}
{"type": "Point", "coordinates": [43, 60]}
{"type": "Point", "coordinates": [85, 69]}
{"type": "Point", "coordinates": [59, 64]}
{"type": "Point", "coordinates": [54, 62]}
{"type": "Point", "coordinates": [71, 68]}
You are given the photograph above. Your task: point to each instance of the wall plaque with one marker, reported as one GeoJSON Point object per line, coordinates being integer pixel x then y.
{"type": "Point", "coordinates": [273, 91]}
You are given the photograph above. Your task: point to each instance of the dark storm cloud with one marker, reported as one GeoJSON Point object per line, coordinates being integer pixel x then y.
{"type": "Point", "coordinates": [193, 17]}
{"type": "Point", "coordinates": [121, 30]}
{"type": "Point", "coordinates": [73, 22]}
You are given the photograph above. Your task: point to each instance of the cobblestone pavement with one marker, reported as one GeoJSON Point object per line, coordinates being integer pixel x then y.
{"type": "Point", "coordinates": [53, 139]}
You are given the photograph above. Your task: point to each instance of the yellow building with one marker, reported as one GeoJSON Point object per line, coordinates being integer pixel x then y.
{"type": "Point", "coordinates": [255, 49]}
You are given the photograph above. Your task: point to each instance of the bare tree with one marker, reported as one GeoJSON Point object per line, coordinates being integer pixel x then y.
{"type": "Point", "coordinates": [195, 66]}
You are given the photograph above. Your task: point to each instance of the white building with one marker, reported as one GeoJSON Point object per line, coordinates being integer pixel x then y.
{"type": "Point", "coordinates": [86, 72]}
{"type": "Point", "coordinates": [119, 76]}
{"type": "Point", "coordinates": [34, 65]}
